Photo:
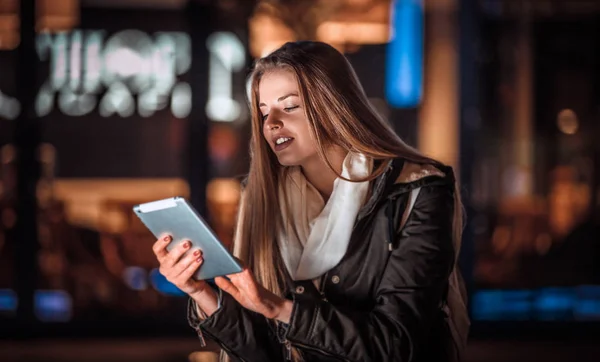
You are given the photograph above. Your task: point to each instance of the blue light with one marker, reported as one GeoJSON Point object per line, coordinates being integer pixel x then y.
{"type": "Point", "coordinates": [161, 284]}
{"type": "Point", "coordinates": [404, 60]}
{"type": "Point", "coordinates": [53, 305]}
{"type": "Point", "coordinates": [578, 303]}
{"type": "Point", "coordinates": [135, 277]}
{"type": "Point", "coordinates": [8, 301]}
{"type": "Point", "coordinates": [502, 304]}
{"type": "Point", "coordinates": [555, 303]}
{"type": "Point", "coordinates": [587, 310]}
{"type": "Point", "coordinates": [587, 306]}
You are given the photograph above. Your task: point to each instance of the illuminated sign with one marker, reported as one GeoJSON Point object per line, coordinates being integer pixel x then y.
{"type": "Point", "coordinates": [128, 72]}
{"type": "Point", "coordinates": [131, 72]}
{"type": "Point", "coordinates": [404, 63]}
{"type": "Point", "coordinates": [9, 107]}
{"type": "Point", "coordinates": [227, 56]}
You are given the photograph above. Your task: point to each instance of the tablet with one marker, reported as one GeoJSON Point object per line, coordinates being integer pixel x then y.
{"type": "Point", "coordinates": [176, 217]}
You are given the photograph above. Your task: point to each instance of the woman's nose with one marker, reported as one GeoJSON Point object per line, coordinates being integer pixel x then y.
{"type": "Point", "coordinates": [273, 122]}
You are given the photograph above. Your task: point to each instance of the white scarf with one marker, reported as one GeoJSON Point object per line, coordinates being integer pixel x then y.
{"type": "Point", "coordinates": [315, 235]}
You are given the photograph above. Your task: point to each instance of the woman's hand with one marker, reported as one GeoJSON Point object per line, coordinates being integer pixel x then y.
{"type": "Point", "coordinates": [178, 266]}
{"type": "Point", "coordinates": [253, 296]}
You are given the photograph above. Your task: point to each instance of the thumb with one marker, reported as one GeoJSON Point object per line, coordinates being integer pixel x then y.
{"type": "Point", "coordinates": [226, 286]}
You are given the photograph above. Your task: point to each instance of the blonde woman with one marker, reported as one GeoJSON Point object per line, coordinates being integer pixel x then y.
{"type": "Point", "coordinates": [348, 235]}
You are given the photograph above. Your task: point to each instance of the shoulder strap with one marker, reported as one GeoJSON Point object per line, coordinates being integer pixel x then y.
{"type": "Point", "coordinates": [412, 197]}
{"type": "Point", "coordinates": [414, 193]}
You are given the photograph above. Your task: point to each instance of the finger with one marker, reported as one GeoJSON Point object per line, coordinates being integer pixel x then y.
{"type": "Point", "coordinates": [175, 254]}
{"type": "Point", "coordinates": [242, 277]}
{"type": "Point", "coordinates": [227, 286]}
{"type": "Point", "coordinates": [187, 266]}
{"type": "Point", "coordinates": [246, 283]}
{"type": "Point", "coordinates": [160, 247]}
{"type": "Point", "coordinates": [187, 275]}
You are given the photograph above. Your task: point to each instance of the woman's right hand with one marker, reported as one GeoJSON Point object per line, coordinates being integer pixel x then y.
{"type": "Point", "coordinates": [179, 269]}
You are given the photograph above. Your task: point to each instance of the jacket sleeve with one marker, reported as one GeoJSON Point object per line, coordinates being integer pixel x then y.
{"type": "Point", "coordinates": [407, 299]}
{"type": "Point", "coordinates": [243, 334]}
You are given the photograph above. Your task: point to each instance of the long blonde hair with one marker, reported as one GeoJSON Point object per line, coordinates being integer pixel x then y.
{"type": "Point", "coordinates": [339, 113]}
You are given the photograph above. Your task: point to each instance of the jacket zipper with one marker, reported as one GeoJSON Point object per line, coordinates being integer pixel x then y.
{"type": "Point", "coordinates": [201, 336]}
{"type": "Point", "coordinates": [322, 286]}
{"type": "Point", "coordinates": [288, 348]}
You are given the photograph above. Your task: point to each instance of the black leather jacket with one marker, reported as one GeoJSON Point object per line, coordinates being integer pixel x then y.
{"type": "Point", "coordinates": [382, 302]}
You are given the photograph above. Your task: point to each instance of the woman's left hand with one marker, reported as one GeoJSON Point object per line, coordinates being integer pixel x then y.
{"type": "Point", "coordinates": [253, 296]}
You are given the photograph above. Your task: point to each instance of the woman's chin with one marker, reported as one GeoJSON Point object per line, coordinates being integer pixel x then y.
{"type": "Point", "coordinates": [288, 161]}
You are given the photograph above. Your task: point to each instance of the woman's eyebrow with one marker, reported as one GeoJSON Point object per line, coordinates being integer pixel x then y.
{"type": "Point", "coordinates": [293, 94]}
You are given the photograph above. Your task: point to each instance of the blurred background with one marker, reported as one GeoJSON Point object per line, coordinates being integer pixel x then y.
{"type": "Point", "coordinates": [108, 103]}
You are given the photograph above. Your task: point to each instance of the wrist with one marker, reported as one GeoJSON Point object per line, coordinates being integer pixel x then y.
{"type": "Point", "coordinates": [207, 300]}
{"type": "Point", "coordinates": [284, 311]}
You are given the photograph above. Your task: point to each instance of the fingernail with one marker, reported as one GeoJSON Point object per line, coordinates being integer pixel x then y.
{"type": "Point", "coordinates": [199, 260]}
{"type": "Point", "coordinates": [197, 252]}
{"type": "Point", "coordinates": [167, 238]}
{"type": "Point", "coordinates": [186, 244]}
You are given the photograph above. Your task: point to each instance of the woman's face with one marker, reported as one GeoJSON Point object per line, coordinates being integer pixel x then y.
{"type": "Point", "coordinates": [285, 126]}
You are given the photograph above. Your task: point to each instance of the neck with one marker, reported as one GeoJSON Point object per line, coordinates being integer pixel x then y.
{"type": "Point", "coordinates": [318, 173]}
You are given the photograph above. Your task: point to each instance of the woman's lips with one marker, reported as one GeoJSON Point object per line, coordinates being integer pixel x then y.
{"type": "Point", "coordinates": [284, 145]}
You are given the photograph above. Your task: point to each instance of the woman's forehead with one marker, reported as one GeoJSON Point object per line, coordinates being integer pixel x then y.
{"type": "Point", "coordinates": [276, 84]}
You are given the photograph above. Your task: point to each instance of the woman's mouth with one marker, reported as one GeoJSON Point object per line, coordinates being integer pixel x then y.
{"type": "Point", "coordinates": [282, 143]}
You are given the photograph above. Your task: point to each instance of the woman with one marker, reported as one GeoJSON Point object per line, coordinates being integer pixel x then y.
{"type": "Point", "coordinates": [349, 236]}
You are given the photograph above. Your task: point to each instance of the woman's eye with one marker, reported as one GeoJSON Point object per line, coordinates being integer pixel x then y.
{"type": "Point", "coordinates": [289, 109]}
{"type": "Point", "coordinates": [264, 118]}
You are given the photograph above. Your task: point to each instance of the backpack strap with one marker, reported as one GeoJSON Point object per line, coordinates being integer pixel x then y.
{"type": "Point", "coordinates": [392, 231]}
{"type": "Point", "coordinates": [412, 198]}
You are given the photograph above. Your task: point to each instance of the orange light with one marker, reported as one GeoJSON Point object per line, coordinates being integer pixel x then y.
{"type": "Point", "coordinates": [57, 15]}
{"type": "Point", "coordinates": [353, 32]}
{"type": "Point", "coordinates": [9, 24]}
{"type": "Point", "coordinates": [267, 33]}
